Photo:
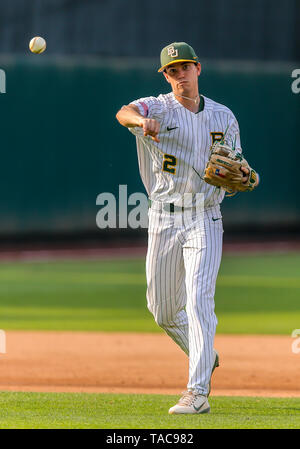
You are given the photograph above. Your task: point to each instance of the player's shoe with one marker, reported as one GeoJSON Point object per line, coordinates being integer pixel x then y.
{"type": "Point", "coordinates": [195, 403]}
{"type": "Point", "coordinates": [215, 365]}
{"type": "Point", "coordinates": [190, 403]}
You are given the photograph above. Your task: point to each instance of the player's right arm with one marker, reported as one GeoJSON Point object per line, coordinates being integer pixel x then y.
{"type": "Point", "coordinates": [130, 116]}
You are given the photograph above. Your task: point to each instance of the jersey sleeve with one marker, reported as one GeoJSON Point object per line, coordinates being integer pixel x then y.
{"type": "Point", "coordinates": [233, 133]}
{"type": "Point", "coordinates": [149, 107]}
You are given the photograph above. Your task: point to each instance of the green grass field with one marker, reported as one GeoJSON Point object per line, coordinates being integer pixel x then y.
{"type": "Point", "coordinates": [112, 411]}
{"type": "Point", "coordinates": [254, 295]}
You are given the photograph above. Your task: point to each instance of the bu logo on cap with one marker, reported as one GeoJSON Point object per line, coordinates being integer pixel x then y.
{"type": "Point", "coordinates": [172, 52]}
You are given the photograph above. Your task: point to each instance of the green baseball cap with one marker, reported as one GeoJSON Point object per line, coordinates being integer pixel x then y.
{"type": "Point", "coordinates": [177, 52]}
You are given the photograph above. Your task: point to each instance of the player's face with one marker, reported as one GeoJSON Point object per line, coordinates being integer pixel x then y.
{"type": "Point", "coordinates": [183, 76]}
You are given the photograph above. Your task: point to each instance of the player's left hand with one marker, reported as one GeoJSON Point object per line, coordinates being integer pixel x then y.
{"type": "Point", "coordinates": [246, 171]}
{"type": "Point", "coordinates": [228, 169]}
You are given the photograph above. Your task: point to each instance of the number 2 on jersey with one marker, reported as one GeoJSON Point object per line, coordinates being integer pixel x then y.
{"type": "Point", "coordinates": [169, 163]}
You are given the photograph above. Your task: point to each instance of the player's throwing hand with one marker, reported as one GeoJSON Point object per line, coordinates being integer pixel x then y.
{"type": "Point", "coordinates": [151, 128]}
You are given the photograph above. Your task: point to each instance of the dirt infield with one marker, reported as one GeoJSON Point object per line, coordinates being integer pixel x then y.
{"type": "Point", "coordinates": [143, 363]}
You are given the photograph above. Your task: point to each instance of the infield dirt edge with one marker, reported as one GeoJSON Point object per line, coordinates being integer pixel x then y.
{"type": "Point", "coordinates": [97, 362]}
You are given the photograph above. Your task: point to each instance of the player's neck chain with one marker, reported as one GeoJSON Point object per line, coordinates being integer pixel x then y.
{"type": "Point", "coordinates": [187, 98]}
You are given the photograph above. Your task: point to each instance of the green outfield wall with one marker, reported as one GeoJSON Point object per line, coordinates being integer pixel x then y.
{"type": "Point", "coordinates": [62, 146]}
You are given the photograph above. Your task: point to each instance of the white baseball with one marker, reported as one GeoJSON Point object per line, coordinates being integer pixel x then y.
{"type": "Point", "coordinates": [37, 44]}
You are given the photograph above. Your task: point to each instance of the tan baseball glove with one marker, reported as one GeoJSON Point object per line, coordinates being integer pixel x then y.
{"type": "Point", "coordinates": [227, 168]}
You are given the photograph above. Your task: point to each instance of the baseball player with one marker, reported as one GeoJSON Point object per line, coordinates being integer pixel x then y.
{"type": "Point", "coordinates": [175, 134]}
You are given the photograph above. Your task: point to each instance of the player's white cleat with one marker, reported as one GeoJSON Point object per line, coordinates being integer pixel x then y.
{"type": "Point", "coordinates": [191, 403]}
{"type": "Point", "coordinates": [195, 403]}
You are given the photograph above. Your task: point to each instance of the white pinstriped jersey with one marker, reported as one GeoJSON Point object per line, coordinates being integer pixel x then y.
{"type": "Point", "coordinates": [176, 164]}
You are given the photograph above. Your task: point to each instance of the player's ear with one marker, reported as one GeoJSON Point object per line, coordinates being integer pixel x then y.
{"type": "Point", "coordinates": [166, 76]}
{"type": "Point", "coordinates": [199, 68]}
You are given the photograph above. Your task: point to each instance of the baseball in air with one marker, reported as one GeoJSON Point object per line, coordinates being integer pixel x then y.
{"type": "Point", "coordinates": [37, 44]}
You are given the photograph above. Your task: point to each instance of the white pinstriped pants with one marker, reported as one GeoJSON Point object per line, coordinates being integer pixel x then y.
{"type": "Point", "coordinates": [182, 265]}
